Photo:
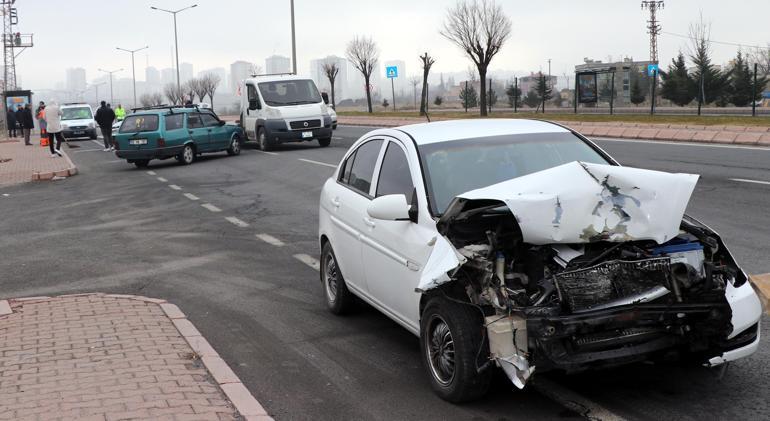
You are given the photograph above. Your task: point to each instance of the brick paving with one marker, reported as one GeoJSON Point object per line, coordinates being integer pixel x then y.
{"type": "Point", "coordinates": [102, 357]}
{"type": "Point", "coordinates": [26, 161]}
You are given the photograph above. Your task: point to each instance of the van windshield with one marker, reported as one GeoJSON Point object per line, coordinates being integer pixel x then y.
{"type": "Point", "coordinates": [289, 92]}
{"type": "Point", "coordinates": [76, 113]}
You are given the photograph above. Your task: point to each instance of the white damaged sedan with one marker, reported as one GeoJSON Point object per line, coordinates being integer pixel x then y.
{"type": "Point", "coordinates": [522, 245]}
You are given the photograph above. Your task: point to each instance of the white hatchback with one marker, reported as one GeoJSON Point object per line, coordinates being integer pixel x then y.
{"type": "Point", "coordinates": [522, 245]}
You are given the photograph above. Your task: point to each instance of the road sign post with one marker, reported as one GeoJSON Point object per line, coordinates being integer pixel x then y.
{"type": "Point", "coordinates": [392, 72]}
{"type": "Point", "coordinates": [652, 70]}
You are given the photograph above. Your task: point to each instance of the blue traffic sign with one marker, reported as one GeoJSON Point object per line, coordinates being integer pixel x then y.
{"type": "Point", "coordinates": [391, 71]}
{"type": "Point", "coordinates": [652, 70]}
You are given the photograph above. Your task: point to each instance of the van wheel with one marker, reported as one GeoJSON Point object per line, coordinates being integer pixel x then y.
{"type": "Point", "coordinates": [450, 337]}
{"type": "Point", "coordinates": [338, 298]}
{"type": "Point", "coordinates": [187, 156]}
{"type": "Point", "coordinates": [235, 146]}
{"type": "Point", "coordinates": [142, 163]}
{"type": "Point", "coordinates": [264, 142]}
{"type": "Point", "coordinates": [325, 142]}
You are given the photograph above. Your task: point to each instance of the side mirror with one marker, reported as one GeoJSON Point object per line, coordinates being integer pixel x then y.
{"type": "Point", "coordinates": [254, 105]}
{"type": "Point", "coordinates": [391, 207]}
{"type": "Point", "coordinates": [222, 122]}
{"type": "Point", "coordinates": [325, 97]}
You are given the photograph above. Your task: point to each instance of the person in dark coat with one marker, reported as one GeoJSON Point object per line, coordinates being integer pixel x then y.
{"type": "Point", "coordinates": [11, 120]}
{"type": "Point", "coordinates": [27, 123]}
{"type": "Point", "coordinates": [104, 118]}
{"type": "Point", "coordinates": [19, 116]}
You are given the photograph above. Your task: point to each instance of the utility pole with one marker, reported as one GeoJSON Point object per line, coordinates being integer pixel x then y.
{"type": "Point", "coordinates": [133, 68]}
{"type": "Point", "coordinates": [515, 94]}
{"type": "Point", "coordinates": [653, 26]}
{"type": "Point", "coordinates": [176, 40]}
{"type": "Point", "coordinates": [294, 46]}
{"type": "Point", "coordinates": [754, 93]}
{"type": "Point", "coordinates": [110, 72]}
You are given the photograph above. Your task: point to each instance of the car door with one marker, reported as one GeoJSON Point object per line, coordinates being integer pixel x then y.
{"type": "Point", "coordinates": [395, 252]}
{"type": "Point", "coordinates": [217, 135]}
{"type": "Point", "coordinates": [348, 199]}
{"type": "Point", "coordinates": [198, 133]}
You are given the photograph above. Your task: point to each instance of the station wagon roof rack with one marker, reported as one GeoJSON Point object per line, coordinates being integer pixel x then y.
{"type": "Point", "coordinates": [171, 108]}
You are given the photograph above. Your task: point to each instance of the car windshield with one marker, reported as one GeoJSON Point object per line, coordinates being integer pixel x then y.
{"type": "Point", "coordinates": [289, 92]}
{"type": "Point", "coordinates": [76, 113]}
{"type": "Point", "coordinates": [457, 166]}
{"type": "Point", "coordinates": [139, 123]}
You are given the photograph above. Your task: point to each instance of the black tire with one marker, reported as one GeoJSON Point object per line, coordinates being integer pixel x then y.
{"type": "Point", "coordinates": [235, 146]}
{"type": "Point", "coordinates": [325, 142]}
{"type": "Point", "coordinates": [337, 296]}
{"type": "Point", "coordinates": [142, 163]}
{"type": "Point", "coordinates": [187, 156]}
{"type": "Point", "coordinates": [450, 337]}
{"type": "Point", "coordinates": [263, 141]}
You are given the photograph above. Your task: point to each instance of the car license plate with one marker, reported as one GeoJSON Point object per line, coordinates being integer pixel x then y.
{"type": "Point", "coordinates": [80, 132]}
{"type": "Point", "coordinates": [307, 135]}
{"type": "Point", "coordinates": [137, 142]}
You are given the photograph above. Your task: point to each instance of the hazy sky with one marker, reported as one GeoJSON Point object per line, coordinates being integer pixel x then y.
{"type": "Point", "coordinates": [84, 33]}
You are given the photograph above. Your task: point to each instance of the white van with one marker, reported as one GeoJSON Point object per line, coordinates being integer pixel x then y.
{"type": "Point", "coordinates": [284, 108]}
{"type": "Point", "coordinates": [77, 120]}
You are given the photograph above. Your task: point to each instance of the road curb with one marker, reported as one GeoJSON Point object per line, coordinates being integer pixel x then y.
{"type": "Point", "coordinates": [71, 170]}
{"type": "Point", "coordinates": [243, 401]}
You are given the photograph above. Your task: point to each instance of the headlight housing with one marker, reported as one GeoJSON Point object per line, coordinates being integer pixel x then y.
{"type": "Point", "coordinates": [65, 126]}
{"type": "Point", "coordinates": [91, 125]}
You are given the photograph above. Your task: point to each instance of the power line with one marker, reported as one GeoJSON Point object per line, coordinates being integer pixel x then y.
{"type": "Point", "coordinates": [734, 44]}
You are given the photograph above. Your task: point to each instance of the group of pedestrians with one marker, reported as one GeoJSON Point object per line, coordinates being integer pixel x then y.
{"type": "Point", "coordinates": [21, 120]}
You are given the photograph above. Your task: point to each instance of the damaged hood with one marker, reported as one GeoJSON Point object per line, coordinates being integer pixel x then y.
{"type": "Point", "coordinates": [582, 202]}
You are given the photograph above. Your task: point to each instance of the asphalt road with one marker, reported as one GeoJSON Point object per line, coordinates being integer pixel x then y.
{"type": "Point", "coordinates": [114, 228]}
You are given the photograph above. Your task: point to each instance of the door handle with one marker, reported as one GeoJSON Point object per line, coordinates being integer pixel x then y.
{"type": "Point", "coordinates": [190, 131]}
{"type": "Point", "coordinates": [247, 111]}
{"type": "Point", "coordinates": [369, 222]}
{"type": "Point", "coordinates": [336, 202]}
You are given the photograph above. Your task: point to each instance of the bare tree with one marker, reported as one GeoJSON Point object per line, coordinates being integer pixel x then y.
{"type": "Point", "coordinates": [427, 62]}
{"type": "Point", "coordinates": [173, 93]}
{"type": "Point", "coordinates": [415, 81]}
{"type": "Point", "coordinates": [761, 56]}
{"type": "Point", "coordinates": [363, 53]}
{"type": "Point", "coordinates": [151, 99]}
{"type": "Point", "coordinates": [255, 69]}
{"type": "Point", "coordinates": [479, 28]}
{"type": "Point", "coordinates": [210, 83]}
{"type": "Point", "coordinates": [198, 87]}
{"type": "Point", "coordinates": [331, 70]}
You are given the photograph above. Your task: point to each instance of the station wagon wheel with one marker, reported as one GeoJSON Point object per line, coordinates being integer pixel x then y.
{"type": "Point", "coordinates": [338, 298]}
{"type": "Point", "coordinates": [187, 156]}
{"type": "Point", "coordinates": [450, 338]}
{"type": "Point", "coordinates": [142, 163]}
{"type": "Point", "coordinates": [235, 146]}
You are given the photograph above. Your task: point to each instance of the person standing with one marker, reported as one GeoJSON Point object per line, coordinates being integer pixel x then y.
{"type": "Point", "coordinates": [40, 116]}
{"type": "Point", "coordinates": [120, 113]}
{"type": "Point", "coordinates": [11, 120]}
{"type": "Point", "coordinates": [53, 122]}
{"type": "Point", "coordinates": [19, 117]}
{"type": "Point", "coordinates": [104, 118]}
{"type": "Point", "coordinates": [27, 123]}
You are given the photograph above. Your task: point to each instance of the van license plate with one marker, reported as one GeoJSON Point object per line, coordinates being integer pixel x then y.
{"type": "Point", "coordinates": [79, 132]}
{"type": "Point", "coordinates": [137, 142]}
{"type": "Point", "coordinates": [307, 135]}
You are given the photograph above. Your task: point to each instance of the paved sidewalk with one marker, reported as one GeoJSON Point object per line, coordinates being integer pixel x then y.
{"type": "Point", "coordinates": [741, 135]}
{"type": "Point", "coordinates": [30, 163]}
{"type": "Point", "coordinates": [112, 357]}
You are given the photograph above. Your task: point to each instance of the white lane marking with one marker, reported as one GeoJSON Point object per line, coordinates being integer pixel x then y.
{"type": "Point", "coordinates": [237, 222]}
{"type": "Point", "coordinates": [211, 207]}
{"type": "Point", "coordinates": [310, 261]}
{"type": "Point", "coordinates": [174, 187]}
{"type": "Point", "coordinates": [190, 196]}
{"type": "Point", "coordinates": [269, 239]}
{"type": "Point", "coordinates": [317, 162]}
{"type": "Point", "coordinates": [162, 180]}
{"type": "Point", "coordinates": [573, 401]}
{"type": "Point", "coordinates": [151, 172]}
{"type": "Point", "coordinates": [97, 142]}
{"type": "Point", "coordinates": [116, 160]}
{"type": "Point", "coordinates": [337, 138]}
{"type": "Point", "coordinates": [269, 153]}
{"type": "Point", "coordinates": [659, 142]}
{"type": "Point", "coordinates": [743, 180]}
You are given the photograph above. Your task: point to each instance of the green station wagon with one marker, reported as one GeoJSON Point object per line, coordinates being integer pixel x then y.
{"type": "Point", "coordinates": [181, 133]}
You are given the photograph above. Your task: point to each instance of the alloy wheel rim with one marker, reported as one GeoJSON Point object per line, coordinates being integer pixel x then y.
{"type": "Point", "coordinates": [187, 154]}
{"type": "Point", "coordinates": [332, 277]}
{"type": "Point", "coordinates": [236, 145]}
{"type": "Point", "coordinates": [441, 351]}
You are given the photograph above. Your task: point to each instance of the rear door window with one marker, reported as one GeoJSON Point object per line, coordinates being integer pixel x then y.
{"type": "Point", "coordinates": [174, 121]}
{"type": "Point", "coordinates": [139, 123]}
{"type": "Point", "coordinates": [362, 170]}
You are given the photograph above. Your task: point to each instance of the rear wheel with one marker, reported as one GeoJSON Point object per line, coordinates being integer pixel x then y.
{"type": "Point", "coordinates": [235, 146]}
{"type": "Point", "coordinates": [325, 142]}
{"type": "Point", "coordinates": [450, 338]}
{"type": "Point", "coordinates": [264, 142]}
{"type": "Point", "coordinates": [187, 156]}
{"type": "Point", "coordinates": [142, 163]}
{"type": "Point", "coordinates": [338, 297]}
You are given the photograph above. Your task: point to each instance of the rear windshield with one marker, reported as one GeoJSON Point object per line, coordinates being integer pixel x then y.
{"type": "Point", "coordinates": [174, 121]}
{"type": "Point", "coordinates": [289, 92]}
{"type": "Point", "coordinates": [139, 123]}
{"type": "Point", "coordinates": [76, 113]}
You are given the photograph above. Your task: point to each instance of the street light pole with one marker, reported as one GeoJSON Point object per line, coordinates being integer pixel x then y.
{"type": "Point", "coordinates": [133, 68]}
{"type": "Point", "coordinates": [110, 73]}
{"type": "Point", "coordinates": [294, 44]}
{"type": "Point", "coordinates": [176, 40]}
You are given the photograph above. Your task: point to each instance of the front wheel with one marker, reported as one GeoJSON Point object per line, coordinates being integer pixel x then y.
{"type": "Point", "coordinates": [325, 142]}
{"type": "Point", "coordinates": [264, 142]}
{"type": "Point", "coordinates": [187, 156]}
{"type": "Point", "coordinates": [338, 297]}
{"type": "Point", "coordinates": [450, 338]}
{"type": "Point", "coordinates": [235, 146]}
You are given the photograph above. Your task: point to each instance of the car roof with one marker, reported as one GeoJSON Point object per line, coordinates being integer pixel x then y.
{"type": "Point", "coordinates": [75, 104]}
{"type": "Point", "coordinates": [440, 131]}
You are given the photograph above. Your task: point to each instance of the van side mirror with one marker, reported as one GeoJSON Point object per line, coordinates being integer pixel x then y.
{"type": "Point", "coordinates": [325, 97]}
{"type": "Point", "coordinates": [391, 207]}
{"type": "Point", "coordinates": [254, 104]}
